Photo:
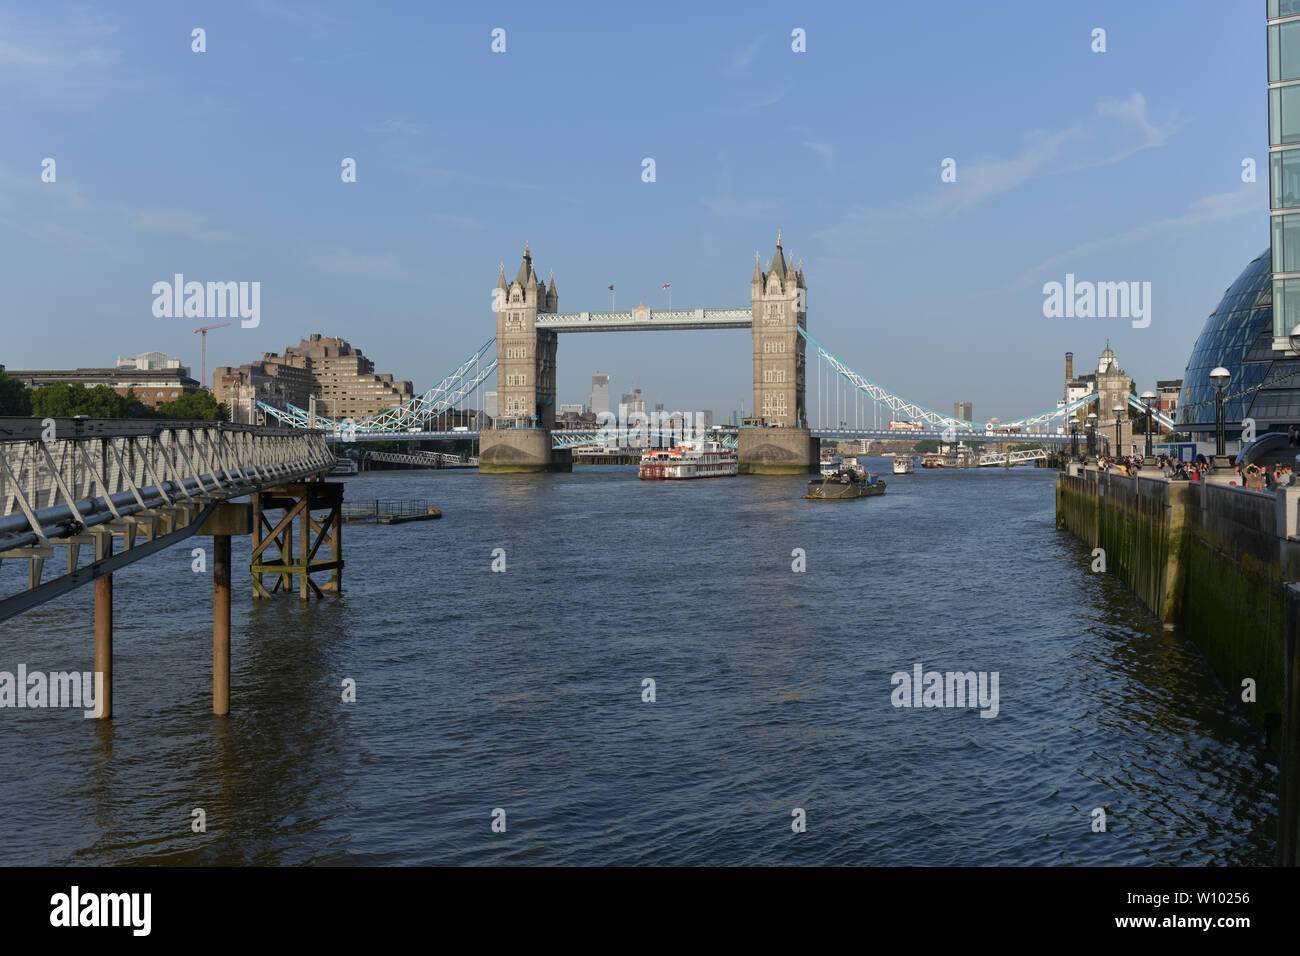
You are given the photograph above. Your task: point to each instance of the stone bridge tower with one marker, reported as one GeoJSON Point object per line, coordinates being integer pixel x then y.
{"type": "Point", "coordinates": [525, 354]}
{"type": "Point", "coordinates": [779, 308]}
{"type": "Point", "coordinates": [779, 303]}
{"type": "Point", "coordinates": [521, 437]}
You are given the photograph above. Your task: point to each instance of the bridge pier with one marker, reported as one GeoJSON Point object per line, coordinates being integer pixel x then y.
{"type": "Point", "coordinates": [778, 451]}
{"type": "Point", "coordinates": [520, 450]}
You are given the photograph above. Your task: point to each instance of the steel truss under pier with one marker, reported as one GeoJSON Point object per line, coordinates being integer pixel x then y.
{"type": "Point", "coordinates": [297, 501]}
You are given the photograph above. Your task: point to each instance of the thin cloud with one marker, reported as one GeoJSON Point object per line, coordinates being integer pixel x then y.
{"type": "Point", "coordinates": [825, 150]}
{"type": "Point", "coordinates": [981, 180]}
{"type": "Point", "coordinates": [464, 223]}
{"type": "Point", "coordinates": [180, 222]}
{"type": "Point", "coordinates": [1241, 201]}
{"type": "Point", "coordinates": [743, 59]}
{"type": "Point", "coordinates": [397, 128]}
{"type": "Point", "coordinates": [361, 266]}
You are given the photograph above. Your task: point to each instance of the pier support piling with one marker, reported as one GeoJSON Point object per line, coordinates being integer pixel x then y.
{"type": "Point", "coordinates": [221, 625]}
{"type": "Point", "coordinates": [104, 629]}
{"type": "Point", "coordinates": [296, 502]}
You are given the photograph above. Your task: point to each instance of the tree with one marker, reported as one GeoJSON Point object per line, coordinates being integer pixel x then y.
{"type": "Point", "coordinates": [14, 397]}
{"type": "Point", "coordinates": [58, 400]}
{"type": "Point", "coordinates": [927, 447]}
{"type": "Point", "coordinates": [195, 406]}
{"type": "Point", "coordinates": [135, 408]}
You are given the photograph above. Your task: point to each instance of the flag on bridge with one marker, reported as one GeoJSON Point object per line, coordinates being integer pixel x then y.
{"type": "Point", "coordinates": [667, 285]}
{"type": "Point", "coordinates": [611, 288]}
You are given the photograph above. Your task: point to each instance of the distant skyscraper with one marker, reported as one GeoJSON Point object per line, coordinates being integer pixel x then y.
{"type": "Point", "coordinates": [490, 404]}
{"type": "Point", "coordinates": [632, 404]}
{"type": "Point", "coordinates": [962, 411]}
{"type": "Point", "coordinates": [599, 393]}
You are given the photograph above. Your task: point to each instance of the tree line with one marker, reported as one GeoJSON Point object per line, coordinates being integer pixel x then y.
{"type": "Point", "coordinates": [68, 399]}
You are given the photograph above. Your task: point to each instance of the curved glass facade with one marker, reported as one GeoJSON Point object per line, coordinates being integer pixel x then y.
{"type": "Point", "coordinates": [1230, 331]}
{"type": "Point", "coordinates": [1239, 336]}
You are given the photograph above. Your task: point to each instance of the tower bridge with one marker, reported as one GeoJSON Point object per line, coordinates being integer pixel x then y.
{"type": "Point", "coordinates": [528, 324]}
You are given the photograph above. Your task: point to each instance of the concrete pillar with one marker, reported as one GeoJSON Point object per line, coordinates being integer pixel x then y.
{"type": "Point", "coordinates": [104, 629]}
{"type": "Point", "coordinates": [221, 625]}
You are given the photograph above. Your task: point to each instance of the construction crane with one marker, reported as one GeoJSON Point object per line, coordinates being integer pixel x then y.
{"type": "Point", "coordinates": [204, 333]}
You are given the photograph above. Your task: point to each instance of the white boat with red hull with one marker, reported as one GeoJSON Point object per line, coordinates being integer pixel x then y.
{"type": "Point", "coordinates": [693, 458]}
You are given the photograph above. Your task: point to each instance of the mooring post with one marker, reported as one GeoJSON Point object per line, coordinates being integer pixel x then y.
{"type": "Point", "coordinates": [221, 625]}
{"type": "Point", "coordinates": [1288, 843]}
{"type": "Point", "coordinates": [104, 629]}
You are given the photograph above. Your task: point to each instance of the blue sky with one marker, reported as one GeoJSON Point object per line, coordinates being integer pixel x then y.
{"type": "Point", "coordinates": [1115, 166]}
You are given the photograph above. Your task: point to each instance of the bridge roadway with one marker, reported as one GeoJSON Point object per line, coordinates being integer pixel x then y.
{"type": "Point", "coordinates": [838, 434]}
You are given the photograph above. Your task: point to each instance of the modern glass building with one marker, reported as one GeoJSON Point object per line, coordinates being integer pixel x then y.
{"type": "Point", "coordinates": [1239, 336]}
{"type": "Point", "coordinates": [1284, 164]}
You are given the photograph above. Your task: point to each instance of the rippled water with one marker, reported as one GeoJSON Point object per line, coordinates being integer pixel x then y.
{"type": "Point", "coordinates": [522, 691]}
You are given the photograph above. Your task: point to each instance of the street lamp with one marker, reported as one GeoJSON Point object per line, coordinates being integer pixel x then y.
{"type": "Point", "coordinates": [1092, 435]}
{"type": "Point", "coordinates": [1148, 397]}
{"type": "Point", "coordinates": [1220, 378]}
{"type": "Point", "coordinates": [1074, 440]}
{"type": "Point", "coordinates": [1118, 410]}
{"type": "Point", "coordinates": [1295, 339]}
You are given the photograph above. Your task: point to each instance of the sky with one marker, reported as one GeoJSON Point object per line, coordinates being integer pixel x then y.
{"type": "Point", "coordinates": [225, 165]}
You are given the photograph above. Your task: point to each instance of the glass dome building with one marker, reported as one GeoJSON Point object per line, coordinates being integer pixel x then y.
{"type": "Point", "coordinates": [1239, 336]}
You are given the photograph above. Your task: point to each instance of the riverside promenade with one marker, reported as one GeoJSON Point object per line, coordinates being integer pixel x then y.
{"type": "Point", "coordinates": [1218, 563]}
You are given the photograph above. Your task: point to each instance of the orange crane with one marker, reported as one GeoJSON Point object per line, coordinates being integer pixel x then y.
{"type": "Point", "coordinates": [204, 332]}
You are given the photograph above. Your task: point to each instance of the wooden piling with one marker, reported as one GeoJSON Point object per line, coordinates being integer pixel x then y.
{"type": "Point", "coordinates": [221, 625]}
{"type": "Point", "coordinates": [104, 629]}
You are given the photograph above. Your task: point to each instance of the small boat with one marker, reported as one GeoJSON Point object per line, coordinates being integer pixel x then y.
{"type": "Point", "coordinates": [904, 465]}
{"type": "Point", "coordinates": [844, 485]}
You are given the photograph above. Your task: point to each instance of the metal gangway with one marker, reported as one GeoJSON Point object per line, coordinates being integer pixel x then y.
{"type": "Point", "coordinates": [420, 459]}
{"type": "Point", "coordinates": [78, 484]}
{"type": "Point", "coordinates": [1017, 457]}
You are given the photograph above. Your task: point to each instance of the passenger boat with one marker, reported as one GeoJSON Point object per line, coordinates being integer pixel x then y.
{"type": "Point", "coordinates": [904, 465]}
{"type": "Point", "coordinates": [344, 466]}
{"type": "Point", "coordinates": [694, 458]}
{"type": "Point", "coordinates": [830, 464]}
{"type": "Point", "coordinates": [932, 461]}
{"type": "Point", "coordinates": [844, 485]}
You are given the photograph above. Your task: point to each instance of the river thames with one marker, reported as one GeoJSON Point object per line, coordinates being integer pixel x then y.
{"type": "Point", "coordinates": [522, 691]}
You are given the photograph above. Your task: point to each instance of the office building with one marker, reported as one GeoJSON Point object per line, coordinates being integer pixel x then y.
{"type": "Point", "coordinates": [340, 378]}
{"type": "Point", "coordinates": [599, 393]}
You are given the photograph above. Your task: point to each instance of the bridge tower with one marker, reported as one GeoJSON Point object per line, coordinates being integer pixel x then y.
{"type": "Point", "coordinates": [782, 444]}
{"type": "Point", "coordinates": [521, 437]}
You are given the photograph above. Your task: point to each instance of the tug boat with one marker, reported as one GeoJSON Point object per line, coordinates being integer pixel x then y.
{"type": "Point", "coordinates": [845, 484]}
{"type": "Point", "coordinates": [693, 458]}
{"type": "Point", "coordinates": [904, 465]}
